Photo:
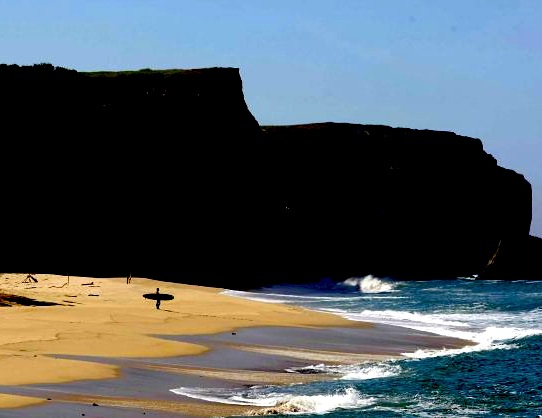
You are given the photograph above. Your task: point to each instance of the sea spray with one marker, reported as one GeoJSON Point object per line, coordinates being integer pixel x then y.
{"type": "Point", "coordinates": [369, 284]}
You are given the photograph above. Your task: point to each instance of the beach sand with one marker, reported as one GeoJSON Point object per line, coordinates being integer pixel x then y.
{"type": "Point", "coordinates": [94, 346]}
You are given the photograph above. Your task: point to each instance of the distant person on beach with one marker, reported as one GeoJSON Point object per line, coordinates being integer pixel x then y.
{"type": "Point", "coordinates": [157, 298]}
{"type": "Point", "coordinates": [129, 278]}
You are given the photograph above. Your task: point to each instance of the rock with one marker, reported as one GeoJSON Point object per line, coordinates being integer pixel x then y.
{"type": "Point", "coordinates": [168, 175]}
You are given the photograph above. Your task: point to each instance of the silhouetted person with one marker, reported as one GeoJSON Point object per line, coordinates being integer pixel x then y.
{"type": "Point", "coordinates": [157, 298]}
{"type": "Point", "coordinates": [129, 278]}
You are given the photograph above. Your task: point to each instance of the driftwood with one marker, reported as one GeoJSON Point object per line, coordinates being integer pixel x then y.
{"type": "Point", "coordinates": [60, 286]}
{"type": "Point", "coordinates": [30, 279]}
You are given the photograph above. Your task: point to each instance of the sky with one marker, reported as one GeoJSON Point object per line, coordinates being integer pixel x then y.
{"type": "Point", "coordinates": [473, 67]}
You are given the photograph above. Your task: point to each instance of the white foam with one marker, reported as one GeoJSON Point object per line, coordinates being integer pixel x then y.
{"type": "Point", "coordinates": [280, 402]}
{"type": "Point", "coordinates": [492, 338]}
{"type": "Point", "coordinates": [353, 372]}
{"type": "Point", "coordinates": [369, 284]}
{"type": "Point", "coordinates": [254, 296]}
{"type": "Point", "coordinates": [319, 404]}
{"type": "Point", "coordinates": [313, 369]}
{"type": "Point", "coordinates": [376, 371]}
{"type": "Point", "coordinates": [218, 395]}
{"type": "Point", "coordinates": [401, 318]}
{"type": "Point", "coordinates": [284, 298]}
{"type": "Point", "coordinates": [506, 334]}
{"type": "Point", "coordinates": [421, 354]}
{"type": "Point", "coordinates": [472, 277]}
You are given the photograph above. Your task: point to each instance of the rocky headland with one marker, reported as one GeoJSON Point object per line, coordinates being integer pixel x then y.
{"type": "Point", "coordinates": [167, 175]}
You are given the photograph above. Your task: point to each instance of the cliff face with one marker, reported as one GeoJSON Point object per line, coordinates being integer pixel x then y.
{"type": "Point", "coordinates": [109, 172]}
{"type": "Point", "coordinates": [167, 174]}
{"type": "Point", "coordinates": [400, 202]}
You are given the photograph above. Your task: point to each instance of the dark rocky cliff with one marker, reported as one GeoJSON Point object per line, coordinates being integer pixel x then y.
{"type": "Point", "coordinates": [167, 174]}
{"type": "Point", "coordinates": [392, 201]}
{"type": "Point", "coordinates": [109, 172]}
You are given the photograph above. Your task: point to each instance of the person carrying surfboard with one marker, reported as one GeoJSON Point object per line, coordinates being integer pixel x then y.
{"type": "Point", "coordinates": [158, 297]}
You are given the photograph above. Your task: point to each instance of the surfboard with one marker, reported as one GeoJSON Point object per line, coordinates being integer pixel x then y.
{"type": "Point", "coordinates": [158, 296]}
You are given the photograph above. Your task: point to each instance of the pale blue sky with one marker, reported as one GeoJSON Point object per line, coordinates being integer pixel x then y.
{"type": "Point", "coordinates": [473, 67]}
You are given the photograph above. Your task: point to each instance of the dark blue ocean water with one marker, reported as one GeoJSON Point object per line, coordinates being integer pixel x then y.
{"type": "Point", "coordinates": [500, 376]}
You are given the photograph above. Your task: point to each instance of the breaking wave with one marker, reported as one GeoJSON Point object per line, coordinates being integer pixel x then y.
{"type": "Point", "coordinates": [352, 372]}
{"type": "Point", "coordinates": [370, 284]}
{"type": "Point", "coordinates": [274, 403]}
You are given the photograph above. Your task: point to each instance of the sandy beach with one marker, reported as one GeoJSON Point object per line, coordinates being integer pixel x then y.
{"type": "Point", "coordinates": [95, 346]}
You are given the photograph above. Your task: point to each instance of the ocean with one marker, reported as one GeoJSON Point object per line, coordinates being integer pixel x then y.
{"type": "Point", "coordinates": [499, 376]}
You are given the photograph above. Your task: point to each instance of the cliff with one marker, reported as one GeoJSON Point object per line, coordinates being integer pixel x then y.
{"type": "Point", "coordinates": [111, 172]}
{"type": "Point", "coordinates": [168, 175]}
{"type": "Point", "coordinates": [399, 202]}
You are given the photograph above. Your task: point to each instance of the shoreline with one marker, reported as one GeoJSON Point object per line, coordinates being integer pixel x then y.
{"type": "Point", "coordinates": [103, 338]}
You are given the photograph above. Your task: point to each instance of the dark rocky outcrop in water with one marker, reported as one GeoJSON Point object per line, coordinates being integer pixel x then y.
{"type": "Point", "coordinates": [168, 175]}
